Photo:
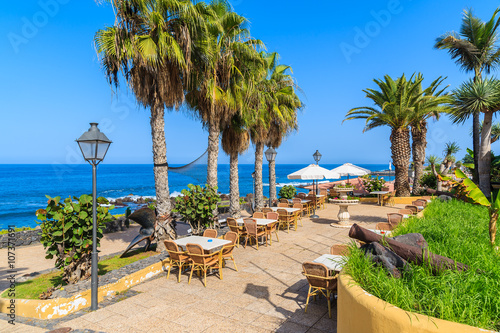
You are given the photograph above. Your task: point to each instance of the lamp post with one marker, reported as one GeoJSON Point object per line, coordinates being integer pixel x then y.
{"type": "Point", "coordinates": [94, 146]}
{"type": "Point", "coordinates": [271, 157]}
{"type": "Point", "coordinates": [317, 158]}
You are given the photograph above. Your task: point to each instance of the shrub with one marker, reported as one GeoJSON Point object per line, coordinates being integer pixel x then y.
{"type": "Point", "coordinates": [197, 206]}
{"type": "Point", "coordinates": [371, 183]}
{"type": "Point", "coordinates": [287, 192]}
{"type": "Point", "coordinates": [67, 233]}
{"type": "Point", "coordinates": [428, 180]}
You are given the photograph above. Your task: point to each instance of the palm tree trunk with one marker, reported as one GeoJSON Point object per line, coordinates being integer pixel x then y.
{"type": "Point", "coordinates": [259, 190]}
{"type": "Point", "coordinates": [485, 155]}
{"type": "Point", "coordinates": [213, 153]}
{"type": "Point", "coordinates": [234, 189]}
{"type": "Point", "coordinates": [419, 144]}
{"type": "Point", "coordinates": [272, 181]}
{"type": "Point", "coordinates": [493, 227]}
{"type": "Point", "coordinates": [164, 228]}
{"type": "Point", "coordinates": [476, 145]}
{"type": "Point", "coordinates": [401, 151]}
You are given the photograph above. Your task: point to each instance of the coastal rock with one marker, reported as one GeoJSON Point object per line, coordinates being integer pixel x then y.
{"type": "Point", "coordinates": [22, 238]}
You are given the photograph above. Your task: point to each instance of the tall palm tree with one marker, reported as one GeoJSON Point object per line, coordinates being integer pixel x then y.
{"type": "Point", "coordinates": [433, 103]}
{"type": "Point", "coordinates": [477, 96]}
{"type": "Point", "coordinates": [395, 102]}
{"type": "Point", "coordinates": [213, 82]}
{"type": "Point", "coordinates": [276, 102]}
{"type": "Point", "coordinates": [495, 131]}
{"type": "Point", "coordinates": [433, 160]}
{"type": "Point", "coordinates": [150, 45]}
{"type": "Point", "coordinates": [474, 49]}
{"type": "Point", "coordinates": [450, 149]}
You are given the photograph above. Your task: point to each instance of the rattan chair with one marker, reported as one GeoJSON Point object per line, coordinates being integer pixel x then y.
{"type": "Point", "coordinates": [266, 210]}
{"type": "Point", "coordinates": [239, 230]}
{"type": "Point", "coordinates": [283, 205]}
{"type": "Point", "coordinates": [420, 202]}
{"type": "Point", "coordinates": [388, 199]}
{"type": "Point", "coordinates": [394, 219]}
{"type": "Point", "coordinates": [283, 200]}
{"type": "Point", "coordinates": [227, 250]}
{"type": "Point", "coordinates": [298, 214]}
{"type": "Point", "coordinates": [320, 281]}
{"type": "Point", "coordinates": [258, 215]}
{"type": "Point", "coordinates": [412, 208]}
{"type": "Point", "coordinates": [272, 227]}
{"type": "Point", "coordinates": [323, 192]}
{"type": "Point", "coordinates": [176, 258]}
{"type": "Point", "coordinates": [383, 226]}
{"type": "Point", "coordinates": [301, 195]}
{"type": "Point", "coordinates": [285, 219]}
{"type": "Point", "coordinates": [212, 233]}
{"type": "Point", "coordinates": [296, 200]}
{"type": "Point", "coordinates": [340, 250]}
{"type": "Point", "coordinates": [254, 231]}
{"type": "Point", "coordinates": [203, 262]}
{"type": "Point", "coordinates": [405, 212]}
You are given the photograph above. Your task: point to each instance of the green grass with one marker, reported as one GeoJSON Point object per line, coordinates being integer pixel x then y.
{"type": "Point", "coordinates": [456, 230]}
{"type": "Point", "coordinates": [32, 289]}
{"type": "Point", "coordinates": [6, 231]}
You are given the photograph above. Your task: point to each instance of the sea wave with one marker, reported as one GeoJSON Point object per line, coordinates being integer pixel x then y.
{"type": "Point", "coordinates": [296, 183]}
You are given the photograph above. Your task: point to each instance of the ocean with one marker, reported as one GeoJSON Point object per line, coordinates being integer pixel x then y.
{"type": "Point", "coordinates": [23, 186]}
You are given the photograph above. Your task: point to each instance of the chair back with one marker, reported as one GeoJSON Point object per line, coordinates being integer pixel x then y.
{"type": "Point", "coordinates": [282, 212]}
{"type": "Point", "coordinates": [323, 192]}
{"type": "Point", "coordinates": [258, 215]}
{"type": "Point", "coordinates": [297, 201]}
{"type": "Point", "coordinates": [212, 233]}
{"type": "Point", "coordinates": [394, 218]}
{"type": "Point", "coordinates": [266, 210]}
{"type": "Point", "coordinates": [316, 274]}
{"type": "Point", "coordinates": [340, 250]}
{"type": "Point", "coordinates": [420, 202]}
{"type": "Point", "coordinates": [250, 226]}
{"type": "Point", "coordinates": [301, 195]}
{"type": "Point", "coordinates": [195, 252]}
{"type": "Point", "coordinates": [233, 225]}
{"type": "Point", "coordinates": [172, 249]}
{"type": "Point", "coordinates": [384, 226]}
{"type": "Point", "coordinates": [405, 212]}
{"type": "Point", "coordinates": [283, 200]}
{"type": "Point", "coordinates": [283, 205]}
{"type": "Point", "coordinates": [232, 237]}
{"type": "Point", "coordinates": [412, 208]}
{"type": "Point", "coordinates": [273, 216]}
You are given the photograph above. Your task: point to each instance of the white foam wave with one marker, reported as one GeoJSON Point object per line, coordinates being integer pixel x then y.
{"type": "Point", "coordinates": [296, 183]}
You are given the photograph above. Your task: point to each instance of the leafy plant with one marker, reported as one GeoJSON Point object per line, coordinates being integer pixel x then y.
{"type": "Point", "coordinates": [197, 206]}
{"type": "Point", "coordinates": [371, 183]}
{"type": "Point", "coordinates": [429, 180]}
{"type": "Point", "coordinates": [344, 186]}
{"type": "Point", "coordinates": [67, 233]}
{"type": "Point", "coordinates": [287, 192]}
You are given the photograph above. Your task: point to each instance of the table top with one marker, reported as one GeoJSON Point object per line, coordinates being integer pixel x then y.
{"type": "Point", "coordinates": [302, 201]}
{"type": "Point", "coordinates": [379, 192]}
{"type": "Point", "coordinates": [259, 221]}
{"type": "Point", "coordinates": [206, 243]}
{"type": "Point", "coordinates": [289, 210]}
{"type": "Point", "coordinates": [332, 261]}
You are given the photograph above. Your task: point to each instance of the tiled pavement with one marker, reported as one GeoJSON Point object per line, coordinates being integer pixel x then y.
{"type": "Point", "coordinates": [267, 294]}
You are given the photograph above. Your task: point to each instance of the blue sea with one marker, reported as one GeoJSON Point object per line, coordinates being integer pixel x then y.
{"type": "Point", "coordinates": [23, 187]}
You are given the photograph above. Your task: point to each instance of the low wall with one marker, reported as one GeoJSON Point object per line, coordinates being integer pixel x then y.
{"type": "Point", "coordinates": [22, 238]}
{"type": "Point", "coordinates": [360, 312]}
{"type": "Point", "coordinates": [397, 200]}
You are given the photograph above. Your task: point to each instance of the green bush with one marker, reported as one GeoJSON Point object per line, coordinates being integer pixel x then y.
{"type": "Point", "coordinates": [67, 233]}
{"type": "Point", "coordinates": [429, 180]}
{"type": "Point", "coordinates": [371, 183]}
{"type": "Point", "coordinates": [287, 192]}
{"type": "Point", "coordinates": [455, 230]}
{"type": "Point", "coordinates": [197, 206]}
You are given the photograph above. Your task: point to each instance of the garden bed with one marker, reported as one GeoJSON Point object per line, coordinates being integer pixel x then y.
{"type": "Point", "coordinates": [456, 230]}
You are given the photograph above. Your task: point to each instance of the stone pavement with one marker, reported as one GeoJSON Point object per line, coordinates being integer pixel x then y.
{"type": "Point", "coordinates": [267, 294]}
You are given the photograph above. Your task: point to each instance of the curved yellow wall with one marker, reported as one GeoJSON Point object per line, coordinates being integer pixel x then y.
{"type": "Point", "coordinates": [360, 312]}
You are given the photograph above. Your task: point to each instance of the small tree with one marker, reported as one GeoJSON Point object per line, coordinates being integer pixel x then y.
{"type": "Point", "coordinates": [197, 206]}
{"type": "Point", "coordinates": [67, 233]}
{"type": "Point", "coordinates": [287, 192]}
{"type": "Point", "coordinates": [372, 183]}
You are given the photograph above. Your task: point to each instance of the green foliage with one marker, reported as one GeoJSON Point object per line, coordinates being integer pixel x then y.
{"type": "Point", "coordinates": [287, 192]}
{"type": "Point", "coordinates": [67, 229]}
{"type": "Point", "coordinates": [344, 186]}
{"type": "Point", "coordinates": [197, 206]}
{"type": "Point", "coordinates": [371, 183]}
{"type": "Point", "coordinates": [456, 230]}
{"type": "Point", "coordinates": [428, 180]}
{"type": "Point", "coordinates": [6, 231]}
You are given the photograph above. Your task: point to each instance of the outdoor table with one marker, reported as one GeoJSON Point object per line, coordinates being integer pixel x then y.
{"type": "Point", "coordinates": [208, 244]}
{"type": "Point", "coordinates": [288, 210]}
{"type": "Point", "coordinates": [302, 201]}
{"type": "Point", "coordinates": [260, 222]}
{"type": "Point", "coordinates": [332, 261]}
{"type": "Point", "coordinates": [379, 195]}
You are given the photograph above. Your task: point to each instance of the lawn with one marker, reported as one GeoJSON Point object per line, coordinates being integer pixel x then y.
{"type": "Point", "coordinates": [32, 289]}
{"type": "Point", "coordinates": [456, 230]}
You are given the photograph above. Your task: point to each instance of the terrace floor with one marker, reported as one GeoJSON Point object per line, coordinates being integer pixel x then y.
{"type": "Point", "coordinates": [267, 294]}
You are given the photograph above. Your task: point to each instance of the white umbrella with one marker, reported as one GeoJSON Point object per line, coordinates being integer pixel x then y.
{"type": "Point", "coordinates": [349, 169]}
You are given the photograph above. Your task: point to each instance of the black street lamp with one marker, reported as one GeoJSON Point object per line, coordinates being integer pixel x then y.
{"type": "Point", "coordinates": [317, 158]}
{"type": "Point", "coordinates": [271, 157]}
{"type": "Point", "coordinates": [94, 146]}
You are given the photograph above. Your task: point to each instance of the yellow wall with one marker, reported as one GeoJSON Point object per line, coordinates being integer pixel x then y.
{"type": "Point", "coordinates": [360, 312]}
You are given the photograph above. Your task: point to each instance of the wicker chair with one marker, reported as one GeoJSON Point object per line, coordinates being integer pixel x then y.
{"type": "Point", "coordinates": [253, 231]}
{"type": "Point", "coordinates": [273, 227]}
{"type": "Point", "coordinates": [212, 233]}
{"type": "Point", "coordinates": [388, 199]}
{"type": "Point", "coordinates": [285, 220]}
{"type": "Point", "coordinates": [258, 215]}
{"type": "Point", "coordinates": [340, 250]}
{"type": "Point", "coordinates": [202, 262]}
{"type": "Point", "coordinates": [412, 208]}
{"type": "Point", "coordinates": [405, 212]}
{"type": "Point", "coordinates": [266, 210]}
{"type": "Point", "coordinates": [383, 226]}
{"type": "Point", "coordinates": [394, 219]}
{"type": "Point", "coordinates": [296, 200]}
{"type": "Point", "coordinates": [301, 195]}
{"type": "Point", "coordinates": [298, 214]}
{"type": "Point", "coordinates": [420, 202]}
{"type": "Point", "coordinates": [176, 257]}
{"type": "Point", "coordinates": [283, 200]}
{"type": "Point", "coordinates": [283, 205]}
{"type": "Point", "coordinates": [227, 250]}
{"type": "Point", "coordinates": [323, 192]}
{"type": "Point", "coordinates": [239, 230]}
{"type": "Point", "coordinates": [320, 281]}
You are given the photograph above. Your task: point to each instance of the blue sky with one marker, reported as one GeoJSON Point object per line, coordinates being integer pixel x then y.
{"type": "Point", "coordinates": [53, 86]}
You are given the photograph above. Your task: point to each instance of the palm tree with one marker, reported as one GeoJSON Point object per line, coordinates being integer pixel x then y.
{"type": "Point", "coordinates": [213, 83]}
{"type": "Point", "coordinates": [451, 148]}
{"type": "Point", "coordinates": [474, 49]}
{"type": "Point", "coordinates": [235, 141]}
{"type": "Point", "coordinates": [433, 160]}
{"type": "Point", "coordinates": [433, 103]}
{"type": "Point", "coordinates": [150, 45]}
{"type": "Point", "coordinates": [495, 131]}
{"type": "Point", "coordinates": [482, 95]}
{"type": "Point", "coordinates": [395, 102]}
{"type": "Point", "coordinates": [277, 102]}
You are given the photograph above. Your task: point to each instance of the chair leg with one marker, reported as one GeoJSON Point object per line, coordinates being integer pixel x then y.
{"type": "Point", "coordinates": [329, 304]}
{"type": "Point", "coordinates": [257, 241]}
{"type": "Point", "coordinates": [234, 262]}
{"type": "Point", "coordinates": [180, 271]}
{"type": "Point", "coordinates": [191, 275]}
{"type": "Point", "coordinates": [276, 232]}
{"type": "Point", "coordinates": [308, 295]}
{"type": "Point", "coordinates": [169, 267]}
{"type": "Point", "coordinates": [205, 277]}
{"type": "Point", "coordinates": [246, 240]}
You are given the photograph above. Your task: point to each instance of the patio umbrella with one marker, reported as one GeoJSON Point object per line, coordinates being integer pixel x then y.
{"type": "Point", "coordinates": [349, 169]}
{"type": "Point", "coordinates": [313, 172]}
